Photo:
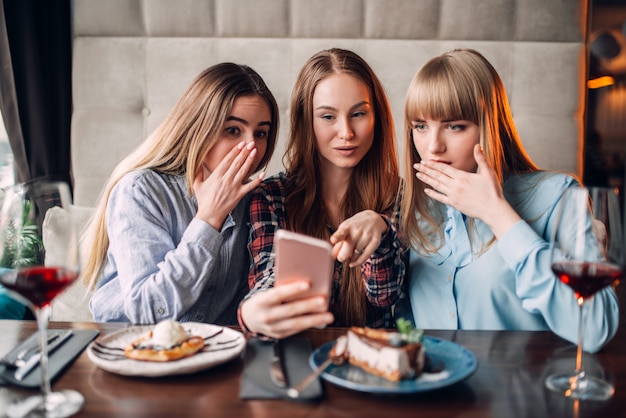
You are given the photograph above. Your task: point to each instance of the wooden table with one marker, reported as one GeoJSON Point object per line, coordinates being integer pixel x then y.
{"type": "Point", "coordinates": [508, 383]}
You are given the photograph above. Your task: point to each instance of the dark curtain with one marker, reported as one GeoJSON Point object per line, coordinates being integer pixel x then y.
{"type": "Point", "coordinates": [35, 85]}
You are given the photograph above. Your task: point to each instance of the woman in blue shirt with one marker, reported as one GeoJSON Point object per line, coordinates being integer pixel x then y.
{"type": "Point", "coordinates": [169, 236]}
{"type": "Point", "coordinates": [478, 215]}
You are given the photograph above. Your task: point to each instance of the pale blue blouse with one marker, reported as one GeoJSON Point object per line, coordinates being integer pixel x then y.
{"type": "Point", "coordinates": [163, 262]}
{"type": "Point", "coordinates": [510, 286]}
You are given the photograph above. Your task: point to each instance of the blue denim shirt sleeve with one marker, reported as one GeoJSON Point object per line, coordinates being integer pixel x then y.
{"type": "Point", "coordinates": [160, 256]}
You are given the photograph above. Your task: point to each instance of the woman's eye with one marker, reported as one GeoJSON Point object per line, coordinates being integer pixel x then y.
{"type": "Point", "coordinates": [419, 126]}
{"type": "Point", "coordinates": [455, 127]}
{"type": "Point", "coordinates": [327, 117]}
{"type": "Point", "coordinates": [261, 134]}
{"type": "Point", "coordinates": [233, 131]}
{"type": "Point", "coordinates": [358, 114]}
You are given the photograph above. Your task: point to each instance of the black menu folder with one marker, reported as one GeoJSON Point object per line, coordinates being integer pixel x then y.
{"type": "Point", "coordinates": [256, 382]}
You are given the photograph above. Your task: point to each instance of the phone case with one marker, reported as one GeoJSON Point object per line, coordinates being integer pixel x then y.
{"type": "Point", "coordinates": [300, 256]}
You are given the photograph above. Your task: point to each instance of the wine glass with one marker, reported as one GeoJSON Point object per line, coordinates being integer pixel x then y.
{"type": "Point", "coordinates": [24, 207]}
{"type": "Point", "coordinates": [587, 255]}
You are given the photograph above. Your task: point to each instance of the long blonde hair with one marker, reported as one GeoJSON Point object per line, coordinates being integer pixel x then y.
{"type": "Point", "coordinates": [374, 181]}
{"type": "Point", "coordinates": [179, 145]}
{"type": "Point", "coordinates": [457, 85]}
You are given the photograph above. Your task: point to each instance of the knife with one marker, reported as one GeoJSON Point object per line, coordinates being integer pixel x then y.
{"type": "Point", "coordinates": [33, 361]}
{"type": "Point", "coordinates": [277, 366]}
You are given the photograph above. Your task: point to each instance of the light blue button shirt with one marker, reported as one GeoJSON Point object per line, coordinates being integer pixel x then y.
{"type": "Point", "coordinates": [510, 286]}
{"type": "Point", "coordinates": [163, 263]}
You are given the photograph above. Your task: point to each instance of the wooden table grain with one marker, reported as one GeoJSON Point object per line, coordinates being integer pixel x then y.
{"type": "Point", "coordinates": [509, 382]}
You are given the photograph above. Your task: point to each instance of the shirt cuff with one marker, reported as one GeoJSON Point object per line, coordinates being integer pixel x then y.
{"type": "Point", "coordinates": [386, 239]}
{"type": "Point", "coordinates": [246, 332]}
{"type": "Point", "coordinates": [201, 233]}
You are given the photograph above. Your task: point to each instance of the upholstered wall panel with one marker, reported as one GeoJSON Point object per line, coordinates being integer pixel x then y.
{"type": "Point", "coordinates": [457, 16]}
{"type": "Point", "coordinates": [191, 18]}
{"type": "Point", "coordinates": [109, 18]}
{"type": "Point", "coordinates": [109, 73]}
{"type": "Point", "coordinates": [261, 19]}
{"type": "Point", "coordinates": [327, 19]}
{"type": "Point", "coordinates": [133, 58]}
{"type": "Point", "coordinates": [551, 20]}
{"type": "Point", "coordinates": [408, 19]}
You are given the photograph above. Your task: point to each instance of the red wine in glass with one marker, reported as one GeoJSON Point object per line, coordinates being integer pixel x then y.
{"type": "Point", "coordinates": [588, 256]}
{"type": "Point", "coordinates": [24, 273]}
{"type": "Point", "coordinates": [39, 284]}
{"type": "Point", "coordinates": [585, 277]}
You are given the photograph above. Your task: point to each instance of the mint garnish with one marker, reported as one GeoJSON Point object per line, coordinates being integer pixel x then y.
{"type": "Point", "coordinates": [408, 333]}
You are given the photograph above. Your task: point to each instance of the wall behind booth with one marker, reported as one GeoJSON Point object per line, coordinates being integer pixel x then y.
{"type": "Point", "coordinates": [133, 58]}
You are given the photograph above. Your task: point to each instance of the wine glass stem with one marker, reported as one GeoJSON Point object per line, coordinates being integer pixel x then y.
{"type": "Point", "coordinates": [43, 315]}
{"type": "Point", "coordinates": [579, 349]}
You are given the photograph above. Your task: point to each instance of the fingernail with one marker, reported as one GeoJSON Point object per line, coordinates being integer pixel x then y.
{"type": "Point", "coordinates": [250, 145]}
{"type": "Point", "coordinates": [241, 145]}
{"type": "Point", "coordinates": [262, 175]}
{"type": "Point", "coordinates": [252, 153]}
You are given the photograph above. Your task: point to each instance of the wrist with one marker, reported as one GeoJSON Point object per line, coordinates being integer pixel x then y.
{"type": "Point", "coordinates": [382, 220]}
{"type": "Point", "coordinates": [501, 220]}
{"type": "Point", "coordinates": [215, 220]}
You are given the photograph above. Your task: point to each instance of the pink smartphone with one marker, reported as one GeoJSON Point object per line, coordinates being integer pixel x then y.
{"type": "Point", "coordinates": [300, 256]}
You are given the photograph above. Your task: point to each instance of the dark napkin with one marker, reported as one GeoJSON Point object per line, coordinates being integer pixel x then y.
{"type": "Point", "coordinates": [57, 362]}
{"type": "Point", "coordinates": [256, 382]}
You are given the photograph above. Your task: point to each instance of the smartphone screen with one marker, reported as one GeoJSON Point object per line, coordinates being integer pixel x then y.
{"type": "Point", "coordinates": [300, 256]}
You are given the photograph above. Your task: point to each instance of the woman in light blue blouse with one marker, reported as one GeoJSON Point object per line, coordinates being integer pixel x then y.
{"type": "Point", "coordinates": [169, 236]}
{"type": "Point", "coordinates": [478, 214]}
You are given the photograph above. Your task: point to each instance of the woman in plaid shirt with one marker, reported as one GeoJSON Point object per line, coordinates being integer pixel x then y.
{"type": "Point", "coordinates": [342, 184]}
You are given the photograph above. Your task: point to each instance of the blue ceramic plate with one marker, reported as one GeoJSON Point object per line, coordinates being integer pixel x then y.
{"type": "Point", "coordinates": [458, 364]}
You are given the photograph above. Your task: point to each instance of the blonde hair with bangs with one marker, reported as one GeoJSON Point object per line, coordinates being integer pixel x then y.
{"type": "Point", "coordinates": [457, 85]}
{"type": "Point", "coordinates": [179, 145]}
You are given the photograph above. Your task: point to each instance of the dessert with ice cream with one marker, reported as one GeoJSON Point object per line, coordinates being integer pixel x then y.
{"type": "Point", "coordinates": [168, 333]}
{"type": "Point", "coordinates": [167, 341]}
{"type": "Point", "coordinates": [391, 355]}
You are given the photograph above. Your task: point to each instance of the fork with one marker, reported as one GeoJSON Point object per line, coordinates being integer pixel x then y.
{"type": "Point", "coordinates": [296, 391]}
{"type": "Point", "coordinates": [106, 352]}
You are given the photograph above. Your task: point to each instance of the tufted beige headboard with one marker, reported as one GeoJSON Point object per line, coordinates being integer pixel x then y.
{"type": "Point", "coordinates": [133, 58]}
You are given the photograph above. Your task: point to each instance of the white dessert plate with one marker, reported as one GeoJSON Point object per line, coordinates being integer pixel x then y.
{"type": "Point", "coordinates": [225, 345]}
{"type": "Point", "coordinates": [455, 362]}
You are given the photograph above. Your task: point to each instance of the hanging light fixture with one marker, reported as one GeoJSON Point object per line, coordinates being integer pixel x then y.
{"type": "Point", "coordinates": [605, 46]}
